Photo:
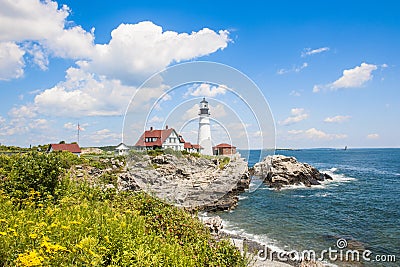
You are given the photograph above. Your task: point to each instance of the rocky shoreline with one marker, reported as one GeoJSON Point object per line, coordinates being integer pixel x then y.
{"type": "Point", "coordinates": [204, 184]}
{"type": "Point", "coordinates": [197, 183]}
{"type": "Point", "coordinates": [278, 171]}
{"type": "Point", "coordinates": [194, 183]}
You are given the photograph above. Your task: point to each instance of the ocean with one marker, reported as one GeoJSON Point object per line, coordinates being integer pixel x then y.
{"type": "Point", "coordinates": [361, 205]}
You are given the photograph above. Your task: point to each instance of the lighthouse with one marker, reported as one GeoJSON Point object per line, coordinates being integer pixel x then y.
{"type": "Point", "coordinates": [204, 138]}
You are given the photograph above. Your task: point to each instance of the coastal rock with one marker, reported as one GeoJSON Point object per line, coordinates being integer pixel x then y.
{"type": "Point", "coordinates": [278, 171]}
{"type": "Point", "coordinates": [214, 224]}
{"type": "Point", "coordinates": [190, 182]}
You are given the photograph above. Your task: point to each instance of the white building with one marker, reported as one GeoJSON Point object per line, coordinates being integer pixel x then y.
{"type": "Point", "coordinates": [167, 138]}
{"type": "Point", "coordinates": [204, 137]}
{"type": "Point", "coordinates": [122, 149]}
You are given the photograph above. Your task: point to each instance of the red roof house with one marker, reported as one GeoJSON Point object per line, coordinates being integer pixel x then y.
{"type": "Point", "coordinates": [189, 147]}
{"type": "Point", "coordinates": [224, 149]}
{"type": "Point", "coordinates": [73, 148]}
{"type": "Point", "coordinates": [166, 138]}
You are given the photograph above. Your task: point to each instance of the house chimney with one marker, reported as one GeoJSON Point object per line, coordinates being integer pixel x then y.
{"type": "Point", "coordinates": [151, 128]}
{"type": "Point", "coordinates": [166, 127]}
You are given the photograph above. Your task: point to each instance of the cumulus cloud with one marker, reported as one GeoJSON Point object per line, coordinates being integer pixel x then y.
{"type": "Point", "coordinates": [84, 94]}
{"type": "Point", "coordinates": [134, 51]}
{"type": "Point", "coordinates": [314, 134]}
{"type": "Point", "coordinates": [206, 90]}
{"type": "Point", "coordinates": [27, 111]}
{"type": "Point", "coordinates": [373, 136]}
{"type": "Point", "coordinates": [11, 61]}
{"type": "Point", "coordinates": [297, 115]}
{"type": "Point", "coordinates": [144, 48]}
{"type": "Point", "coordinates": [309, 51]}
{"type": "Point", "coordinates": [45, 22]}
{"type": "Point", "coordinates": [293, 69]}
{"type": "Point", "coordinates": [351, 78]}
{"type": "Point", "coordinates": [337, 119]}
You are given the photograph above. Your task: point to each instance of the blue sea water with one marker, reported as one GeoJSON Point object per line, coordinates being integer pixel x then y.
{"type": "Point", "coordinates": [361, 204]}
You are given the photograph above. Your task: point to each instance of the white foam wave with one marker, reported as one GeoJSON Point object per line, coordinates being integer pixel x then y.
{"type": "Point", "coordinates": [242, 197]}
{"type": "Point", "coordinates": [337, 178]}
{"type": "Point", "coordinates": [262, 239]}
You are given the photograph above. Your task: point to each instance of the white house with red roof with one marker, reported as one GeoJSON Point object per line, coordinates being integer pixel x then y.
{"type": "Point", "coordinates": [166, 138]}
{"type": "Point", "coordinates": [73, 148]}
{"type": "Point", "coordinates": [193, 148]}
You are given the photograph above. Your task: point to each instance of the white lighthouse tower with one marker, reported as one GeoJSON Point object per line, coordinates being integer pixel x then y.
{"type": "Point", "coordinates": [204, 138]}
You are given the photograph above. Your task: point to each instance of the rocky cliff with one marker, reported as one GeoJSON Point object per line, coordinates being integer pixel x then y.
{"type": "Point", "coordinates": [278, 171]}
{"type": "Point", "coordinates": [187, 181]}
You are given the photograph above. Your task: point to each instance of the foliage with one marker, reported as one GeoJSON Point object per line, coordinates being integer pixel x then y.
{"type": "Point", "coordinates": [89, 226]}
{"type": "Point", "coordinates": [196, 155]}
{"type": "Point", "coordinates": [170, 151]}
{"type": "Point", "coordinates": [155, 152]}
{"type": "Point", "coordinates": [223, 162]}
{"type": "Point", "coordinates": [40, 172]}
{"type": "Point", "coordinates": [87, 229]}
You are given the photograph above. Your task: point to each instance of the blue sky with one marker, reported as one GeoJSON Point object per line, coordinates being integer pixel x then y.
{"type": "Point", "coordinates": [330, 73]}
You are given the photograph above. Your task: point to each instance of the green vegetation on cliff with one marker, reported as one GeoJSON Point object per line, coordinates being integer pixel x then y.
{"type": "Point", "coordinates": [50, 218]}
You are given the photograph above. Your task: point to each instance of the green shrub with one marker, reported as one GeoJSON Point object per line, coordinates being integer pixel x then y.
{"type": "Point", "coordinates": [40, 172]}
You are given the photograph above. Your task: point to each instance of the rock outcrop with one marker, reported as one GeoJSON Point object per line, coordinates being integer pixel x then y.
{"type": "Point", "coordinates": [187, 181]}
{"type": "Point", "coordinates": [278, 171]}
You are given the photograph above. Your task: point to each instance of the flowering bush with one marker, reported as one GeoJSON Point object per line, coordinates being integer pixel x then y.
{"type": "Point", "coordinates": [87, 226]}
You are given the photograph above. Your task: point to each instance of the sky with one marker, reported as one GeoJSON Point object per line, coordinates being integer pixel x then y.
{"type": "Point", "coordinates": [329, 73]}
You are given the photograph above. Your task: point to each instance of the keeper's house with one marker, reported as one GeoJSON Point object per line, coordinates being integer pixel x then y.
{"type": "Point", "coordinates": [224, 149]}
{"type": "Point", "coordinates": [162, 139]}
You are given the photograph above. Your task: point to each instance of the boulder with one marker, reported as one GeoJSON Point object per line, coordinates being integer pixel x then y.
{"type": "Point", "coordinates": [278, 171]}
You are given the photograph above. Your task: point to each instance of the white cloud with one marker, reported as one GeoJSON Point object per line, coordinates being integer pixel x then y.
{"type": "Point", "coordinates": [373, 136]}
{"type": "Point", "coordinates": [11, 61]}
{"type": "Point", "coordinates": [315, 134]}
{"type": "Point", "coordinates": [294, 93]}
{"type": "Point", "coordinates": [309, 51]}
{"type": "Point", "coordinates": [134, 51]}
{"type": "Point", "coordinates": [206, 90]}
{"type": "Point", "coordinates": [337, 119]}
{"type": "Point", "coordinates": [351, 78]}
{"type": "Point", "coordinates": [84, 94]}
{"type": "Point", "coordinates": [41, 124]}
{"type": "Point", "coordinates": [104, 136]}
{"type": "Point", "coordinates": [74, 126]}
{"type": "Point", "coordinates": [39, 56]}
{"type": "Point", "coordinates": [45, 22]}
{"type": "Point", "coordinates": [298, 114]}
{"type": "Point", "coordinates": [27, 111]}
{"type": "Point", "coordinates": [293, 69]}
{"type": "Point", "coordinates": [144, 48]}
{"type": "Point", "coordinates": [156, 119]}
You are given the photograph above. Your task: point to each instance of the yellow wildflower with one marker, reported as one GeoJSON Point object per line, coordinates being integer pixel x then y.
{"type": "Point", "coordinates": [65, 227]}
{"type": "Point", "coordinates": [28, 259]}
{"type": "Point", "coordinates": [3, 233]}
{"type": "Point", "coordinates": [33, 236]}
{"type": "Point", "coordinates": [3, 221]}
{"type": "Point", "coordinates": [42, 224]}
{"type": "Point", "coordinates": [50, 248]}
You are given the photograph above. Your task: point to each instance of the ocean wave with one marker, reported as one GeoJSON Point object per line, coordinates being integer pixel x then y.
{"type": "Point", "coordinates": [242, 197]}
{"type": "Point", "coordinates": [337, 178]}
{"type": "Point", "coordinates": [234, 230]}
